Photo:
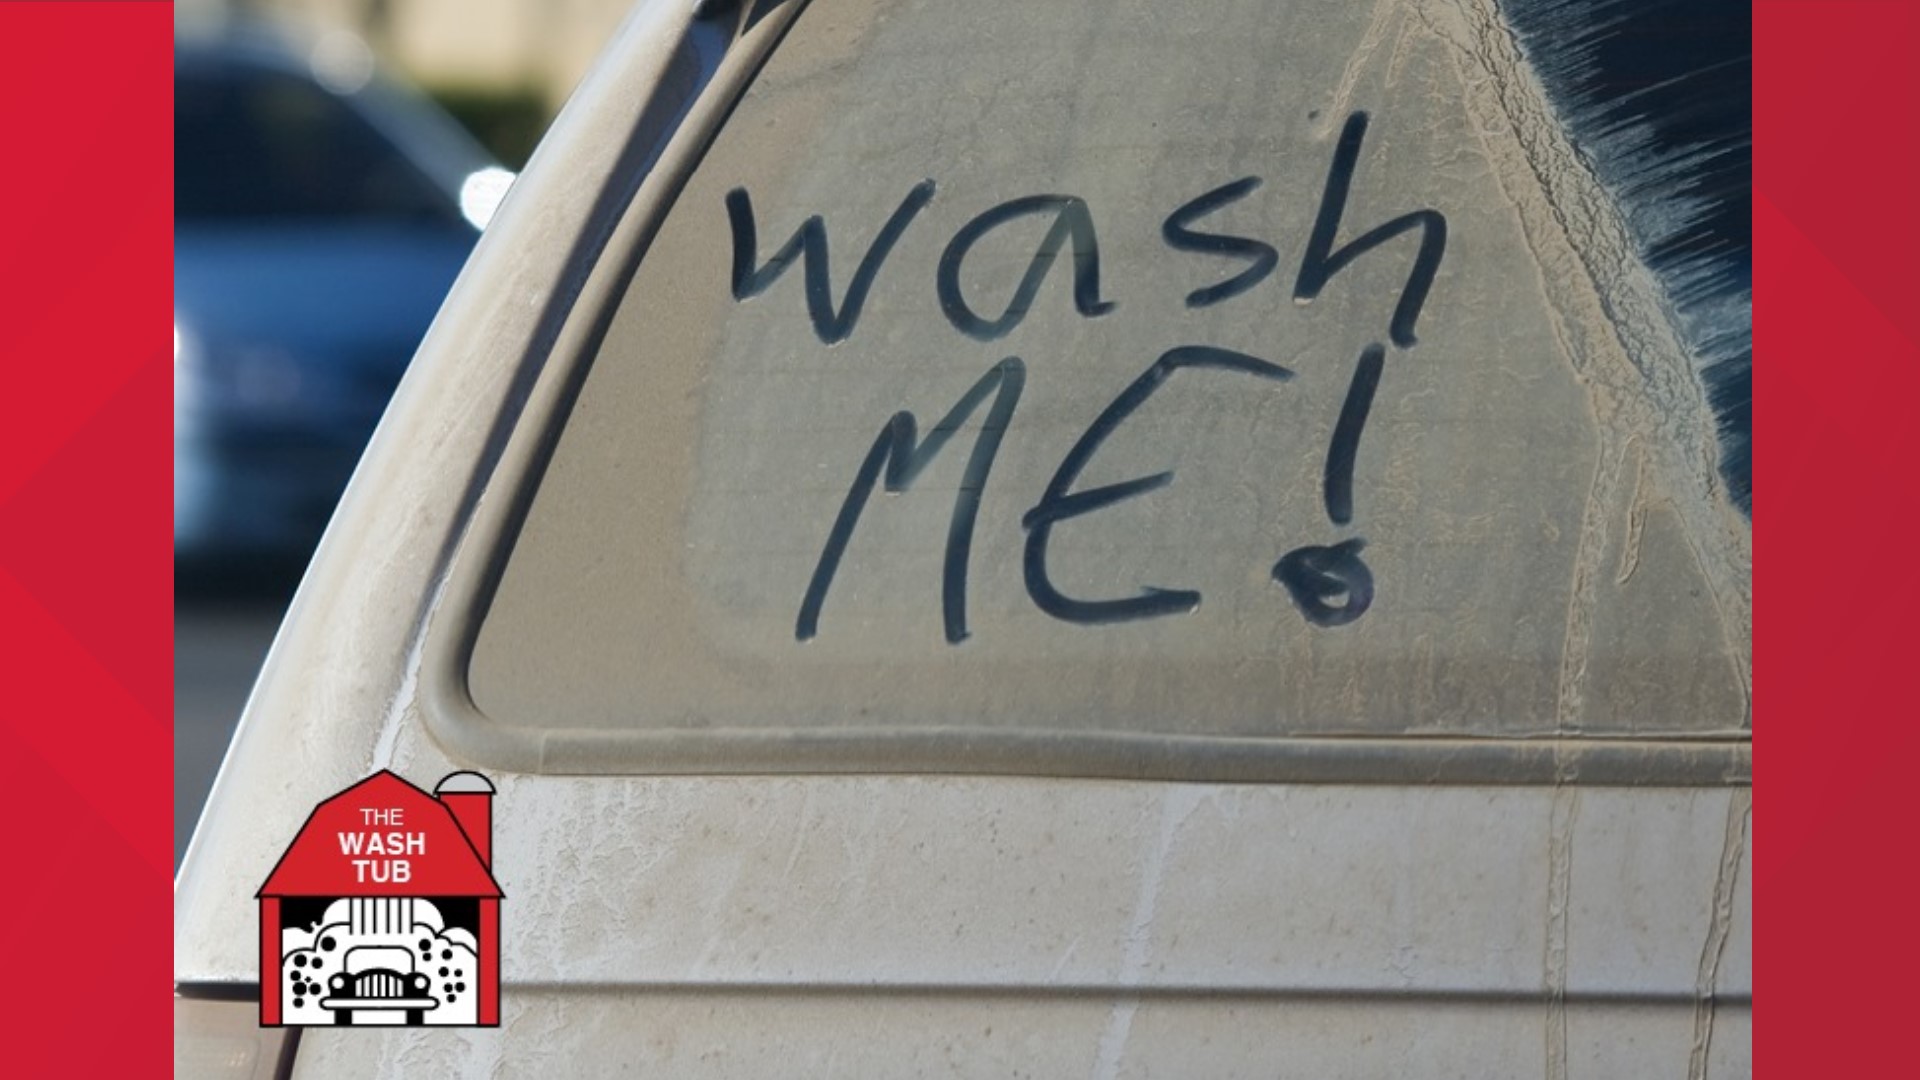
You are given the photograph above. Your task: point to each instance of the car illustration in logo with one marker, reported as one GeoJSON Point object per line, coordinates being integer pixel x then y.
{"type": "Point", "coordinates": [379, 978]}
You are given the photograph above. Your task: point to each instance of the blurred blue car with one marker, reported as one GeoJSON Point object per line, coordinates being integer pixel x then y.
{"type": "Point", "coordinates": [320, 215]}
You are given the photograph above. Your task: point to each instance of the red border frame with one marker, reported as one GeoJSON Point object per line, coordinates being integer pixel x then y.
{"type": "Point", "coordinates": [1836, 173]}
{"type": "Point", "coordinates": [86, 209]}
{"type": "Point", "coordinates": [85, 574]}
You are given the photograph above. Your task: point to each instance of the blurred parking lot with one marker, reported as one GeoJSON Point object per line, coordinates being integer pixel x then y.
{"type": "Point", "coordinates": [218, 645]}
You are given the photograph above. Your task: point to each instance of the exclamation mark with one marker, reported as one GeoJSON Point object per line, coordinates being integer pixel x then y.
{"type": "Point", "coordinates": [1331, 585]}
{"type": "Point", "coordinates": [1337, 486]}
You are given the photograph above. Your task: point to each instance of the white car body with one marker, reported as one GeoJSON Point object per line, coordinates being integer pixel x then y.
{"type": "Point", "coordinates": [857, 924]}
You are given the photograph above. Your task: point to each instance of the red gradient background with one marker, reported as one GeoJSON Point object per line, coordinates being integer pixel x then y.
{"type": "Point", "coordinates": [1837, 582]}
{"type": "Point", "coordinates": [86, 568]}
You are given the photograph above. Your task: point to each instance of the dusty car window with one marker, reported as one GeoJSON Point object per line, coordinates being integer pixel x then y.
{"type": "Point", "coordinates": [1150, 383]}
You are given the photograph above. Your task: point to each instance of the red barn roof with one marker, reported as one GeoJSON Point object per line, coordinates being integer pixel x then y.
{"type": "Point", "coordinates": [440, 859]}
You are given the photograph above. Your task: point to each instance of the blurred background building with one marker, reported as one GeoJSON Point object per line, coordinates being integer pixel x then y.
{"type": "Point", "coordinates": [503, 67]}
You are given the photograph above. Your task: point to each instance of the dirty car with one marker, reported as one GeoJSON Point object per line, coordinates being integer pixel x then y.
{"type": "Point", "coordinates": [1120, 539]}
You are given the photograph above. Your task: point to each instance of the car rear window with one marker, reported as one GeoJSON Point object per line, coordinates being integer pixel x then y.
{"type": "Point", "coordinates": [1204, 390]}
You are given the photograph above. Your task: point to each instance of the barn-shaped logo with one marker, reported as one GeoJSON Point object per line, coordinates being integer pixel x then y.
{"type": "Point", "coordinates": [384, 910]}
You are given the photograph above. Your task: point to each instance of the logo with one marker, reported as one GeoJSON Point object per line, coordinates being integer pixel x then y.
{"type": "Point", "coordinates": [384, 911]}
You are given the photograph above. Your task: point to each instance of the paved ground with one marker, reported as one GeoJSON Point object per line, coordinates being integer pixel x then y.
{"type": "Point", "coordinates": [218, 647]}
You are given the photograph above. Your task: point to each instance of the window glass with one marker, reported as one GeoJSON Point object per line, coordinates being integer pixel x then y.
{"type": "Point", "coordinates": [1190, 377]}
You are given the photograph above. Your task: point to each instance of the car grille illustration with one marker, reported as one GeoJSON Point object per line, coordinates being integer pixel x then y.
{"type": "Point", "coordinates": [379, 984]}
